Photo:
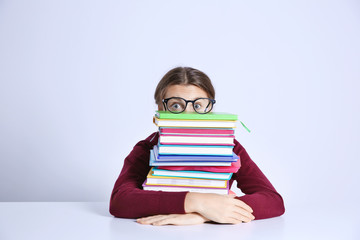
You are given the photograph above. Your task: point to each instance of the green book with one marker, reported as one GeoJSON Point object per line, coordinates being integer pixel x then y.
{"type": "Point", "coordinates": [196, 116]}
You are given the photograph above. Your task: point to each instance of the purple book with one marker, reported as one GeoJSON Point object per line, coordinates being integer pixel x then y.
{"type": "Point", "coordinates": [193, 158]}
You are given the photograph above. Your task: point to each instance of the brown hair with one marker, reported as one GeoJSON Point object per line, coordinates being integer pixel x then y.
{"type": "Point", "coordinates": [183, 76]}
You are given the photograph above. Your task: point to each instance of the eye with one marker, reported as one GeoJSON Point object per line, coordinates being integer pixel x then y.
{"type": "Point", "coordinates": [175, 106]}
{"type": "Point", "coordinates": [197, 106]}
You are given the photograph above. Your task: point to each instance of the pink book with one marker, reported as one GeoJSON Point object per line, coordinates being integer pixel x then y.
{"type": "Point", "coordinates": [197, 131]}
{"type": "Point", "coordinates": [198, 135]}
{"type": "Point", "coordinates": [230, 169]}
{"type": "Point", "coordinates": [190, 139]}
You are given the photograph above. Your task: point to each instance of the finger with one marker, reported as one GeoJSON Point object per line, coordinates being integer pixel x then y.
{"type": "Point", "coordinates": [152, 219]}
{"type": "Point", "coordinates": [166, 221]}
{"type": "Point", "coordinates": [236, 220]}
{"type": "Point", "coordinates": [233, 220]}
{"type": "Point", "coordinates": [148, 218]}
{"type": "Point", "coordinates": [243, 205]}
{"type": "Point", "coordinates": [181, 219]}
{"type": "Point", "coordinates": [244, 212]}
{"type": "Point", "coordinates": [155, 219]}
{"type": "Point", "coordinates": [240, 218]}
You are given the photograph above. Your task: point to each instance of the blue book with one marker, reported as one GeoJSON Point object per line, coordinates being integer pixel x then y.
{"type": "Point", "coordinates": [154, 162]}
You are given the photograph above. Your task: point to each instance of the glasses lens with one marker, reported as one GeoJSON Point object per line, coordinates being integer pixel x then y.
{"type": "Point", "coordinates": [176, 105]}
{"type": "Point", "coordinates": [203, 105]}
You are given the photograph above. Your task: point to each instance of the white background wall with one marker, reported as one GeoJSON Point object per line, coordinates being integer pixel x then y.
{"type": "Point", "coordinates": [77, 80]}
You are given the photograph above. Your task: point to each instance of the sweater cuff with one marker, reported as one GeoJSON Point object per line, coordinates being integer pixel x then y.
{"type": "Point", "coordinates": [264, 206]}
{"type": "Point", "coordinates": [172, 203]}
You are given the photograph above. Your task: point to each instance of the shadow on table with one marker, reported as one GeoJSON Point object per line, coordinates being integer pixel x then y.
{"type": "Point", "coordinates": [100, 208]}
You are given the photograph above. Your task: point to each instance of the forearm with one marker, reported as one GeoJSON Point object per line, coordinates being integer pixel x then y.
{"type": "Point", "coordinates": [130, 202]}
{"type": "Point", "coordinates": [218, 208]}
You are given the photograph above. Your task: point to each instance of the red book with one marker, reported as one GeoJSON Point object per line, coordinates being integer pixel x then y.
{"type": "Point", "coordinates": [209, 131]}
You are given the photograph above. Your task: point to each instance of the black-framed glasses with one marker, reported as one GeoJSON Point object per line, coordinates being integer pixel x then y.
{"type": "Point", "coordinates": [178, 104]}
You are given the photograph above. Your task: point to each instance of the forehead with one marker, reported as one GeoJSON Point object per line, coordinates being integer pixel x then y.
{"type": "Point", "coordinates": [188, 92]}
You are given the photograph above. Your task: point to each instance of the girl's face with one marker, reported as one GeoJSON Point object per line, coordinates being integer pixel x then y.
{"type": "Point", "coordinates": [188, 92]}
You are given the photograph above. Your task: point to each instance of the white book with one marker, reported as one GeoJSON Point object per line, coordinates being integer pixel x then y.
{"type": "Point", "coordinates": [191, 139]}
{"type": "Point", "coordinates": [196, 150]}
{"type": "Point", "coordinates": [186, 189]}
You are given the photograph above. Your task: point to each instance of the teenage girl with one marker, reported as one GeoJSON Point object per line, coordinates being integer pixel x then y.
{"type": "Point", "coordinates": [186, 89]}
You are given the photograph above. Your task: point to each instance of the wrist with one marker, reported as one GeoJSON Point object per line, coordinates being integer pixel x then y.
{"type": "Point", "coordinates": [192, 202]}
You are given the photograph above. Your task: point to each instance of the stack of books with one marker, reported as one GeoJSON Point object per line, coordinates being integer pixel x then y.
{"type": "Point", "coordinates": [194, 153]}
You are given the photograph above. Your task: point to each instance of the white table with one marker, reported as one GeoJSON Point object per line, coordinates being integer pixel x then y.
{"type": "Point", "coordinates": [86, 220]}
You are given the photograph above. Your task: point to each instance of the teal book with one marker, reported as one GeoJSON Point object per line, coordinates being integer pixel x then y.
{"type": "Point", "coordinates": [220, 116]}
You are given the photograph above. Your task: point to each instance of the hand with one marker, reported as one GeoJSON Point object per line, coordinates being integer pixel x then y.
{"type": "Point", "coordinates": [219, 208]}
{"type": "Point", "coordinates": [173, 219]}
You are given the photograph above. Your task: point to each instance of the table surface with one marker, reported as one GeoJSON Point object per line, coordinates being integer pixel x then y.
{"type": "Point", "coordinates": [91, 220]}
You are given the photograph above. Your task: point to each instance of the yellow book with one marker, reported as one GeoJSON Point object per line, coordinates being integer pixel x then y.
{"type": "Point", "coordinates": [194, 123]}
{"type": "Point", "coordinates": [185, 182]}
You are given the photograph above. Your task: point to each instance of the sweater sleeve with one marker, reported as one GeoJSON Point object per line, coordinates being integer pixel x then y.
{"type": "Point", "coordinates": [129, 200]}
{"type": "Point", "coordinates": [260, 195]}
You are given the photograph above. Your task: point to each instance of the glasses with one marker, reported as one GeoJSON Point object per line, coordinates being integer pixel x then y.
{"type": "Point", "coordinates": [178, 104]}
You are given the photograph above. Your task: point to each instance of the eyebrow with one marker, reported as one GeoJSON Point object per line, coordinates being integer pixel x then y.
{"type": "Point", "coordinates": [188, 99]}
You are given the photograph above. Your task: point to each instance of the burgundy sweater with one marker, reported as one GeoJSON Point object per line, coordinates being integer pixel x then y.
{"type": "Point", "coordinates": [129, 200]}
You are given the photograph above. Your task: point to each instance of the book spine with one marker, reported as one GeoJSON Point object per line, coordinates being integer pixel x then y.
{"type": "Point", "coordinates": [194, 123]}
{"type": "Point", "coordinates": [197, 144]}
{"type": "Point", "coordinates": [194, 182]}
{"type": "Point", "coordinates": [197, 136]}
{"type": "Point", "coordinates": [196, 140]}
{"type": "Point", "coordinates": [196, 116]}
{"type": "Point", "coordinates": [206, 131]}
{"type": "Point", "coordinates": [168, 188]}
